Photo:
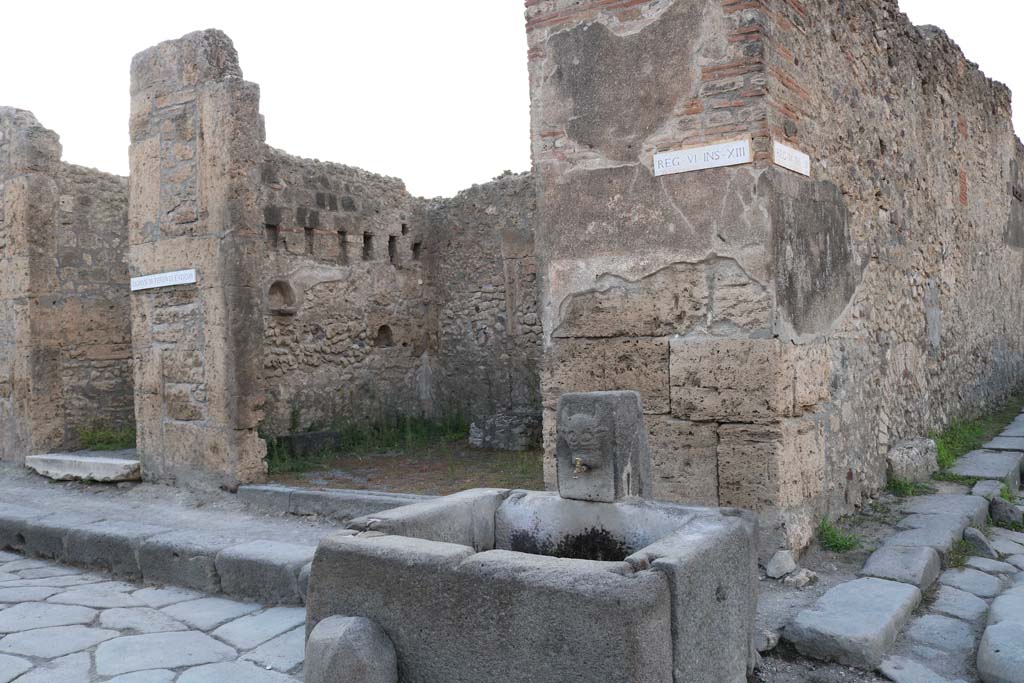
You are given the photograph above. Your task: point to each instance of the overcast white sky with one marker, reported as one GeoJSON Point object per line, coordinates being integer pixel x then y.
{"type": "Point", "coordinates": [435, 93]}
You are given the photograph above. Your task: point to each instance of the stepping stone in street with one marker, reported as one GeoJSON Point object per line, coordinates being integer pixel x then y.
{"type": "Point", "coordinates": [918, 566]}
{"type": "Point", "coordinates": [942, 633]}
{"type": "Point", "coordinates": [1000, 655]}
{"type": "Point", "coordinates": [1002, 466]}
{"type": "Point", "coordinates": [84, 467]}
{"type": "Point", "coordinates": [160, 651]}
{"type": "Point", "coordinates": [29, 615]}
{"type": "Point", "coordinates": [54, 642]}
{"type": "Point", "coordinates": [954, 602]}
{"type": "Point", "coordinates": [973, 508]}
{"type": "Point", "coordinates": [233, 671]}
{"type": "Point", "coordinates": [854, 623]}
{"type": "Point", "coordinates": [972, 581]}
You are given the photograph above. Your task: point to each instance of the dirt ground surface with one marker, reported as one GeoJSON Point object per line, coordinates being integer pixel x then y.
{"type": "Point", "coordinates": [439, 470]}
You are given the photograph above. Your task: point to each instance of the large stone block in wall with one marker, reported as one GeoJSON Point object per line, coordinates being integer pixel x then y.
{"type": "Point", "coordinates": [580, 365]}
{"type": "Point", "coordinates": [684, 459]}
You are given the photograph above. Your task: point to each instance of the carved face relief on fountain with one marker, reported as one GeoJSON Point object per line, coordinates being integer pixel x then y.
{"type": "Point", "coordinates": [586, 439]}
{"type": "Point", "coordinates": [586, 468]}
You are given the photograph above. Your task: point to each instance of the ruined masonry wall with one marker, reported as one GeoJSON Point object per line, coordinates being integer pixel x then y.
{"type": "Point", "coordinates": [348, 324]}
{"type": "Point", "coordinates": [921, 146]}
{"type": "Point", "coordinates": [484, 269]}
{"type": "Point", "coordinates": [65, 357]}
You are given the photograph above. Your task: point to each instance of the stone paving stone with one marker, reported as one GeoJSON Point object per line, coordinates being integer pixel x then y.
{"type": "Point", "coordinates": [35, 594]}
{"type": "Point", "coordinates": [988, 566]}
{"type": "Point", "coordinates": [71, 669]}
{"type": "Point", "coordinates": [29, 615]}
{"type": "Point", "coordinates": [1005, 443]}
{"type": "Point", "coordinates": [1007, 607]}
{"type": "Point", "coordinates": [1000, 655]}
{"type": "Point", "coordinates": [1002, 466]}
{"type": "Point", "coordinates": [139, 620]}
{"type": "Point", "coordinates": [925, 520]}
{"type": "Point", "coordinates": [55, 582]}
{"type": "Point", "coordinates": [1016, 560]}
{"type": "Point", "coordinates": [264, 570]}
{"type": "Point", "coordinates": [954, 602]}
{"type": "Point", "coordinates": [987, 489]}
{"type": "Point", "coordinates": [979, 544]}
{"type": "Point", "coordinates": [249, 631]}
{"type": "Point", "coordinates": [208, 613]}
{"type": "Point", "coordinates": [854, 623]}
{"type": "Point", "coordinates": [12, 667]}
{"type": "Point", "coordinates": [9, 557]}
{"type": "Point", "coordinates": [47, 572]}
{"type": "Point", "coordinates": [8, 577]}
{"type": "Point", "coordinates": [233, 671]}
{"type": "Point", "coordinates": [939, 534]}
{"type": "Point", "coordinates": [972, 581]}
{"type": "Point", "coordinates": [972, 508]}
{"type": "Point", "coordinates": [917, 566]}
{"type": "Point", "coordinates": [19, 565]}
{"type": "Point", "coordinates": [1005, 547]}
{"type": "Point", "coordinates": [160, 651]}
{"type": "Point", "coordinates": [95, 598]}
{"type": "Point", "coordinates": [54, 642]}
{"type": "Point", "coordinates": [162, 597]}
{"type": "Point", "coordinates": [942, 633]}
{"type": "Point", "coordinates": [282, 653]}
{"type": "Point", "coordinates": [1009, 535]}
{"type": "Point", "coordinates": [903, 670]}
{"type": "Point", "coordinates": [151, 676]}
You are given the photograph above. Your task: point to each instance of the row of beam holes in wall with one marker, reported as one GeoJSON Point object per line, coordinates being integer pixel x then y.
{"type": "Point", "coordinates": [273, 235]}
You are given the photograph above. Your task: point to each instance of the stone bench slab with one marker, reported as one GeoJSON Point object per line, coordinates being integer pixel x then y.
{"type": "Point", "coordinates": [85, 467]}
{"type": "Point", "coordinates": [854, 623]}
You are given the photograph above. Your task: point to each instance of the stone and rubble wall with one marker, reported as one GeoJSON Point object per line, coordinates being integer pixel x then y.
{"type": "Point", "coordinates": [484, 271]}
{"type": "Point", "coordinates": [783, 331]}
{"type": "Point", "coordinates": [348, 326]}
{"type": "Point", "coordinates": [65, 355]}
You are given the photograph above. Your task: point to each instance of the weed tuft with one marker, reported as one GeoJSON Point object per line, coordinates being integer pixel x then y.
{"type": "Point", "coordinates": [958, 554]}
{"type": "Point", "coordinates": [834, 539]}
{"type": "Point", "coordinates": [100, 437]}
{"type": "Point", "coordinates": [906, 489]}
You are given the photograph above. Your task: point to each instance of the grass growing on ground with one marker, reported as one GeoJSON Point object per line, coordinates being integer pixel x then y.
{"type": "Point", "coordinates": [906, 489]}
{"type": "Point", "coordinates": [958, 554]}
{"type": "Point", "coordinates": [100, 437]}
{"type": "Point", "coordinates": [835, 540]}
{"type": "Point", "coordinates": [963, 436]}
{"type": "Point", "coordinates": [398, 433]}
{"type": "Point", "coordinates": [1005, 493]}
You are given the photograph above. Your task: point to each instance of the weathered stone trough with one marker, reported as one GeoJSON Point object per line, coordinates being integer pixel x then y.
{"type": "Point", "coordinates": [594, 583]}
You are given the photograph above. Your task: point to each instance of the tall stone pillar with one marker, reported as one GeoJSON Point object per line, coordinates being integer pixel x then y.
{"type": "Point", "coordinates": [196, 141]}
{"type": "Point", "coordinates": [31, 407]}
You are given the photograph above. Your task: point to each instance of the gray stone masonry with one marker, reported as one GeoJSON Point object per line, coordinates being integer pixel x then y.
{"type": "Point", "coordinates": [350, 650]}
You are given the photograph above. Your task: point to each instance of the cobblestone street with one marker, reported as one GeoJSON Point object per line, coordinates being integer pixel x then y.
{"type": "Point", "coordinates": [64, 625]}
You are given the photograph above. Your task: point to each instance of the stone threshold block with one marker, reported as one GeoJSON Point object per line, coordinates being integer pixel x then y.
{"type": "Point", "coordinates": [340, 504]}
{"type": "Point", "coordinates": [854, 623]}
{"type": "Point", "coordinates": [1002, 466]}
{"type": "Point", "coordinates": [86, 466]}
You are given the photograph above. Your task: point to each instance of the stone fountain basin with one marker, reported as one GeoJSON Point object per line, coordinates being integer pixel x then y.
{"type": "Point", "coordinates": [469, 588]}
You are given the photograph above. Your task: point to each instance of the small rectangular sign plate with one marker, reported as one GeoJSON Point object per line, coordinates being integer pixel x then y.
{"type": "Point", "coordinates": [177, 277]}
{"type": "Point", "coordinates": [793, 159]}
{"type": "Point", "coordinates": [730, 153]}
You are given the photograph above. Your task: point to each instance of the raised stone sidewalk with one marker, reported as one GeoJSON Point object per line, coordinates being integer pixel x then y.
{"type": "Point", "coordinates": [871, 623]}
{"type": "Point", "coordinates": [209, 542]}
{"type": "Point", "coordinates": [59, 624]}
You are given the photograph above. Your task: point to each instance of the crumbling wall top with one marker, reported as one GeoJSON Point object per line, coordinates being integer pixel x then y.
{"type": "Point", "coordinates": [184, 63]}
